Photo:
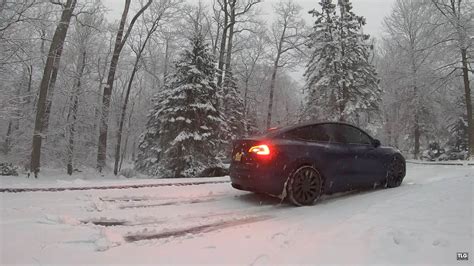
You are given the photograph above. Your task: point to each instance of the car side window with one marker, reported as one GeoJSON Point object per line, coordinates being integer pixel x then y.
{"type": "Point", "coordinates": [332, 131]}
{"type": "Point", "coordinates": [309, 133]}
{"type": "Point", "coordinates": [352, 135]}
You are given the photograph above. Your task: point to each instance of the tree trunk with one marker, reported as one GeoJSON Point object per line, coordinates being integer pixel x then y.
{"type": "Point", "coordinates": [30, 80]}
{"type": "Point", "coordinates": [167, 58]}
{"type": "Point", "coordinates": [343, 103]}
{"type": "Point", "coordinates": [272, 89]}
{"type": "Point", "coordinates": [273, 80]}
{"type": "Point", "coordinates": [124, 152]}
{"type": "Point", "coordinates": [134, 150]}
{"type": "Point", "coordinates": [125, 145]}
{"type": "Point", "coordinates": [231, 36]}
{"type": "Point", "coordinates": [246, 91]}
{"type": "Point", "coordinates": [72, 131]}
{"type": "Point", "coordinates": [47, 82]}
{"type": "Point", "coordinates": [223, 46]}
{"type": "Point", "coordinates": [467, 92]}
{"type": "Point", "coordinates": [127, 95]}
{"type": "Point", "coordinates": [99, 96]}
{"type": "Point", "coordinates": [216, 41]}
{"type": "Point", "coordinates": [345, 94]}
{"type": "Point", "coordinates": [104, 117]}
{"type": "Point", "coordinates": [417, 133]}
{"type": "Point", "coordinates": [81, 64]}
{"type": "Point", "coordinates": [7, 143]}
{"type": "Point", "coordinates": [119, 43]}
{"type": "Point", "coordinates": [49, 100]}
{"type": "Point", "coordinates": [416, 152]}
{"type": "Point", "coordinates": [122, 118]}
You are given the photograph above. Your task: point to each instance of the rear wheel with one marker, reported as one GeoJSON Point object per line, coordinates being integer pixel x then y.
{"type": "Point", "coordinates": [395, 172]}
{"type": "Point", "coordinates": [305, 186]}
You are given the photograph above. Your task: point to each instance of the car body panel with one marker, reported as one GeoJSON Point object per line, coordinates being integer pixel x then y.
{"type": "Point", "coordinates": [343, 166]}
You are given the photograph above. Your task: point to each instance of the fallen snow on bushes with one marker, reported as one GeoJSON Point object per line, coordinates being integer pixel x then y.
{"type": "Point", "coordinates": [426, 220]}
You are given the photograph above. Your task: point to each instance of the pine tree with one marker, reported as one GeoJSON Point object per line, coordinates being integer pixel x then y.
{"type": "Point", "coordinates": [321, 72]}
{"type": "Point", "coordinates": [458, 130]}
{"type": "Point", "coordinates": [251, 124]}
{"type": "Point", "coordinates": [341, 82]}
{"type": "Point", "coordinates": [185, 123]}
{"type": "Point", "coordinates": [149, 149]}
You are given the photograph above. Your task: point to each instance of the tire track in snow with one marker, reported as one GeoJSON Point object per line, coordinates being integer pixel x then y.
{"type": "Point", "coordinates": [206, 228]}
{"type": "Point", "coordinates": [59, 189]}
{"type": "Point", "coordinates": [252, 211]}
{"type": "Point", "coordinates": [153, 221]}
{"type": "Point", "coordinates": [132, 202]}
{"type": "Point", "coordinates": [166, 203]}
{"type": "Point", "coordinates": [134, 198]}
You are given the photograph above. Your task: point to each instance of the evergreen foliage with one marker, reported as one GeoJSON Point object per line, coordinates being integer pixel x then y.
{"type": "Point", "coordinates": [458, 130]}
{"type": "Point", "coordinates": [149, 149]}
{"type": "Point", "coordinates": [182, 137]}
{"type": "Point", "coordinates": [8, 169]}
{"type": "Point", "coordinates": [341, 82]}
{"type": "Point", "coordinates": [251, 124]}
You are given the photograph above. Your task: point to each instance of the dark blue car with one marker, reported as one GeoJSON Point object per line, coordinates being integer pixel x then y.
{"type": "Point", "coordinates": [303, 162]}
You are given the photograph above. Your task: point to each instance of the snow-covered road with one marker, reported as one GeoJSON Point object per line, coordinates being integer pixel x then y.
{"type": "Point", "coordinates": [426, 220]}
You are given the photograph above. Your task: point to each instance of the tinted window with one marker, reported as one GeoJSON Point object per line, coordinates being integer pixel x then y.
{"type": "Point", "coordinates": [335, 131]}
{"type": "Point", "coordinates": [309, 133]}
{"type": "Point", "coordinates": [352, 135]}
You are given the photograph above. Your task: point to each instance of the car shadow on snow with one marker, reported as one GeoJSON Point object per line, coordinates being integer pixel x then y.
{"type": "Point", "coordinates": [252, 198]}
{"type": "Point", "coordinates": [352, 194]}
{"type": "Point", "coordinates": [267, 200]}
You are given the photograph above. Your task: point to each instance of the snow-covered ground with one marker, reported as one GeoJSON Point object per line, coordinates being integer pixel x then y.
{"type": "Point", "coordinates": [56, 178]}
{"type": "Point", "coordinates": [425, 221]}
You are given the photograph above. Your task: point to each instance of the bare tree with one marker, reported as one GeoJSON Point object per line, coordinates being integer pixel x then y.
{"type": "Point", "coordinates": [48, 81]}
{"type": "Point", "coordinates": [120, 40]}
{"type": "Point", "coordinates": [251, 54]}
{"type": "Point", "coordinates": [12, 12]}
{"type": "Point", "coordinates": [161, 10]}
{"type": "Point", "coordinates": [239, 13]}
{"type": "Point", "coordinates": [72, 114]}
{"type": "Point", "coordinates": [234, 11]}
{"type": "Point", "coordinates": [412, 38]}
{"type": "Point", "coordinates": [224, 7]}
{"type": "Point", "coordinates": [85, 31]}
{"type": "Point", "coordinates": [287, 36]}
{"type": "Point", "coordinates": [459, 15]}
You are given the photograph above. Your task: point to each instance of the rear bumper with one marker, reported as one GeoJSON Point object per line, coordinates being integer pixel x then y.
{"type": "Point", "coordinates": [257, 179]}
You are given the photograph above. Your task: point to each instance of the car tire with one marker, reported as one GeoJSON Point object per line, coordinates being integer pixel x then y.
{"type": "Point", "coordinates": [305, 186]}
{"type": "Point", "coordinates": [395, 172]}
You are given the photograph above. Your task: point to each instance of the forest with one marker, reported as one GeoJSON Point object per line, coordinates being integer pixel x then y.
{"type": "Point", "coordinates": [166, 87]}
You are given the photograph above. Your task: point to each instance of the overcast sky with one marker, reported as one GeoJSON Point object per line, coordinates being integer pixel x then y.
{"type": "Point", "coordinates": [373, 10]}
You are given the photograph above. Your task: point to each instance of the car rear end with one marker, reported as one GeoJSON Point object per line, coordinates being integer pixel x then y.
{"type": "Point", "coordinates": [255, 166]}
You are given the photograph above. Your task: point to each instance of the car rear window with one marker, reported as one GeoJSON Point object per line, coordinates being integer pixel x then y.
{"type": "Point", "coordinates": [309, 133]}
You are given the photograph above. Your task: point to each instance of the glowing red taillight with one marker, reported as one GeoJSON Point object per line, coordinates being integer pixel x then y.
{"type": "Point", "coordinates": [260, 150]}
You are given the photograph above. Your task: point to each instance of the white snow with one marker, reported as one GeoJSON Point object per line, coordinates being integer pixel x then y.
{"type": "Point", "coordinates": [108, 239]}
{"type": "Point", "coordinates": [425, 221]}
{"type": "Point", "coordinates": [56, 178]}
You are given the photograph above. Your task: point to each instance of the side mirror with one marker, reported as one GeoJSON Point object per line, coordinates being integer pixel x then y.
{"type": "Point", "coordinates": [376, 143]}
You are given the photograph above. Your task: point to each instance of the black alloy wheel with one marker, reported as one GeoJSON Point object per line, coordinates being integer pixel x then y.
{"type": "Point", "coordinates": [305, 186]}
{"type": "Point", "coordinates": [395, 172]}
